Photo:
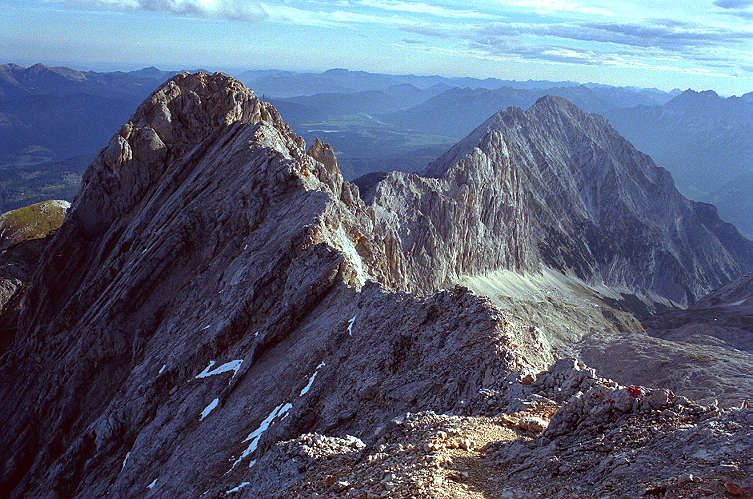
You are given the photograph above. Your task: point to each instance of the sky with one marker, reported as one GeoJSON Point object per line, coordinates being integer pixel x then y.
{"type": "Point", "coordinates": [700, 44]}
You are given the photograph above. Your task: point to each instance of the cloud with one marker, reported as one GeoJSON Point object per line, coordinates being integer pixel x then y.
{"type": "Point", "coordinates": [671, 36]}
{"type": "Point", "coordinates": [545, 7]}
{"type": "Point", "coordinates": [244, 10]}
{"type": "Point", "coordinates": [510, 49]}
{"type": "Point", "coordinates": [424, 9]}
{"type": "Point", "coordinates": [733, 4]}
{"type": "Point", "coordinates": [432, 31]}
{"type": "Point", "coordinates": [743, 14]}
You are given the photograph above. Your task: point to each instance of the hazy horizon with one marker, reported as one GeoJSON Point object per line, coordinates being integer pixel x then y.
{"type": "Point", "coordinates": [236, 72]}
{"type": "Point", "coordinates": [703, 44]}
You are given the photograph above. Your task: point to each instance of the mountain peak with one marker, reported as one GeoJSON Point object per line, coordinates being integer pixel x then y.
{"type": "Point", "coordinates": [690, 96]}
{"type": "Point", "coordinates": [211, 262]}
{"type": "Point", "coordinates": [550, 111]}
{"type": "Point", "coordinates": [171, 125]}
{"type": "Point", "coordinates": [552, 105]}
{"type": "Point", "coordinates": [189, 106]}
{"type": "Point", "coordinates": [554, 102]}
{"type": "Point", "coordinates": [575, 169]}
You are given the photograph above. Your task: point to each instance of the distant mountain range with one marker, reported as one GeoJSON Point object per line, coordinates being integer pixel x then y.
{"type": "Point", "coordinates": [292, 84]}
{"type": "Point", "coordinates": [53, 121]}
{"type": "Point", "coordinates": [457, 111]}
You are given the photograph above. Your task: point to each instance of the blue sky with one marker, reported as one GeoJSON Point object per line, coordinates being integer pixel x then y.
{"type": "Point", "coordinates": [699, 44]}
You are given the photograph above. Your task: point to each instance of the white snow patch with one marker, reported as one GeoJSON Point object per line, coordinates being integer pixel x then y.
{"type": "Point", "coordinates": [306, 388]}
{"type": "Point", "coordinates": [205, 327]}
{"type": "Point", "coordinates": [350, 325]}
{"type": "Point", "coordinates": [238, 488]}
{"type": "Point", "coordinates": [233, 365]}
{"type": "Point", "coordinates": [162, 369]}
{"type": "Point", "coordinates": [60, 203]}
{"type": "Point", "coordinates": [281, 412]}
{"type": "Point", "coordinates": [128, 454]}
{"type": "Point", "coordinates": [151, 485]}
{"type": "Point", "coordinates": [208, 409]}
{"type": "Point", "coordinates": [255, 435]}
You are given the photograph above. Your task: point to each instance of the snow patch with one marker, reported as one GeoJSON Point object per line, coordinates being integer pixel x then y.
{"type": "Point", "coordinates": [350, 325]}
{"type": "Point", "coordinates": [125, 460]}
{"type": "Point", "coordinates": [737, 303]}
{"type": "Point", "coordinates": [162, 369]}
{"type": "Point", "coordinates": [233, 365]}
{"type": "Point", "coordinates": [151, 485]}
{"type": "Point", "coordinates": [208, 409]}
{"type": "Point", "coordinates": [238, 488]}
{"type": "Point", "coordinates": [308, 386]}
{"type": "Point", "coordinates": [279, 411]}
{"type": "Point", "coordinates": [60, 204]}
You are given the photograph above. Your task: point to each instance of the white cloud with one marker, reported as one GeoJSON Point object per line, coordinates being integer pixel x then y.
{"type": "Point", "coordinates": [246, 10]}
{"type": "Point", "coordinates": [544, 7]}
{"type": "Point", "coordinates": [425, 9]}
{"type": "Point", "coordinates": [285, 13]}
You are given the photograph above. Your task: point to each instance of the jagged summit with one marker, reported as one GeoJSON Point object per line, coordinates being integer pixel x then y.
{"type": "Point", "coordinates": [549, 110]}
{"type": "Point", "coordinates": [205, 233]}
{"type": "Point", "coordinates": [555, 102]}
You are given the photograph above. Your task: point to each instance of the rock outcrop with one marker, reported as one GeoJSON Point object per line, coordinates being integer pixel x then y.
{"type": "Point", "coordinates": [219, 301]}
{"type": "Point", "coordinates": [24, 232]}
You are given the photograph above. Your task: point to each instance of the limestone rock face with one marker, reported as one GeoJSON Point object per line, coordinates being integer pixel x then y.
{"type": "Point", "coordinates": [555, 187]}
{"type": "Point", "coordinates": [217, 288]}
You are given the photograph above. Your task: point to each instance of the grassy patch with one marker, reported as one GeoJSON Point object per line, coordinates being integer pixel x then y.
{"type": "Point", "coordinates": [35, 221]}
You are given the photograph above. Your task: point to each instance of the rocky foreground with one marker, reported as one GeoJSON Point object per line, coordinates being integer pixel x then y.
{"type": "Point", "coordinates": [566, 434]}
{"type": "Point", "coordinates": [221, 313]}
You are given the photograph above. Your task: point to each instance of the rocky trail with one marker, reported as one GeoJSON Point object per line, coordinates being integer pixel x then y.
{"type": "Point", "coordinates": [623, 445]}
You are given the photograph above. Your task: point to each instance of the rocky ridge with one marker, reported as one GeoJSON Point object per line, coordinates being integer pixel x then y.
{"type": "Point", "coordinates": [217, 288]}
